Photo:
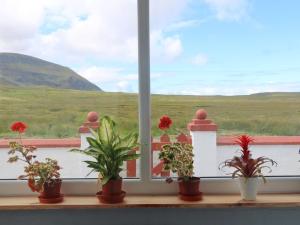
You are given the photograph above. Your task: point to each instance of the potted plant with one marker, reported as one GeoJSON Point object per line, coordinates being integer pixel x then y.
{"type": "Point", "coordinates": [43, 177]}
{"type": "Point", "coordinates": [109, 151]}
{"type": "Point", "coordinates": [248, 169]}
{"type": "Point", "coordinates": [178, 158]}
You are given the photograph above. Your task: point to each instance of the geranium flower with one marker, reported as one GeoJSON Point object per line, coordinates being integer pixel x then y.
{"type": "Point", "coordinates": [164, 123]}
{"type": "Point", "coordinates": [18, 127]}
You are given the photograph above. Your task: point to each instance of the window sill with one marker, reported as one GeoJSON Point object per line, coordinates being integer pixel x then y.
{"type": "Point", "coordinates": [157, 201]}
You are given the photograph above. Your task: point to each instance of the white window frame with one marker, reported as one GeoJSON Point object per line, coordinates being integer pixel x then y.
{"type": "Point", "coordinates": [146, 184]}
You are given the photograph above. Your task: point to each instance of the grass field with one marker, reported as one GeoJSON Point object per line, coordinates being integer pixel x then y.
{"type": "Point", "coordinates": [59, 113]}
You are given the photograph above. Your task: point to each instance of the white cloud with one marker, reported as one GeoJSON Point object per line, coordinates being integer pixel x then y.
{"type": "Point", "coordinates": [116, 79]}
{"type": "Point", "coordinates": [200, 59]}
{"type": "Point", "coordinates": [182, 24]}
{"type": "Point", "coordinates": [172, 47]}
{"type": "Point", "coordinates": [101, 75]}
{"type": "Point", "coordinates": [19, 23]}
{"type": "Point", "coordinates": [165, 48]}
{"type": "Point", "coordinates": [124, 86]}
{"type": "Point", "coordinates": [230, 10]}
{"type": "Point", "coordinates": [68, 31]}
{"type": "Point", "coordinates": [112, 79]}
{"type": "Point", "coordinates": [166, 12]}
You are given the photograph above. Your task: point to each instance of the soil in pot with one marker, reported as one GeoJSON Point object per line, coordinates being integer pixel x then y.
{"type": "Point", "coordinates": [51, 192]}
{"type": "Point", "coordinates": [189, 189]}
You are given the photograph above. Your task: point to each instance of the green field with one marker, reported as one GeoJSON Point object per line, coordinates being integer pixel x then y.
{"type": "Point", "coordinates": [59, 113]}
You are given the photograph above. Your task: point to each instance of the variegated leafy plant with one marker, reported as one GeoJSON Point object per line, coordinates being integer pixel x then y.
{"type": "Point", "coordinates": [109, 150]}
{"type": "Point", "coordinates": [178, 158]}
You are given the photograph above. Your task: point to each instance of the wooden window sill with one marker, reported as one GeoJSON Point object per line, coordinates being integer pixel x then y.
{"type": "Point", "coordinates": [146, 201]}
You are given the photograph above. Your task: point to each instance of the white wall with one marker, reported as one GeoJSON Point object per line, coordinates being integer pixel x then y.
{"type": "Point", "coordinates": [72, 163]}
{"type": "Point", "coordinates": [287, 157]}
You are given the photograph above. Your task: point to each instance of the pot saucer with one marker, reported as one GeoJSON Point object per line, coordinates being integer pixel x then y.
{"type": "Point", "coordinates": [197, 197]}
{"type": "Point", "coordinates": [111, 198]}
{"type": "Point", "coordinates": [51, 200]}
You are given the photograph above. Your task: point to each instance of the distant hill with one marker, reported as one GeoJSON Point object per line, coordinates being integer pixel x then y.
{"type": "Point", "coordinates": [276, 94]}
{"type": "Point", "coordinates": [22, 70]}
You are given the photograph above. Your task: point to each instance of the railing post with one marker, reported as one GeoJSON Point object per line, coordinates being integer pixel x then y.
{"type": "Point", "coordinates": [92, 122]}
{"type": "Point", "coordinates": [204, 141]}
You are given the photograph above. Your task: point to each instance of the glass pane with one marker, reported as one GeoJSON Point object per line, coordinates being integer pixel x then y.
{"type": "Point", "coordinates": [59, 61]}
{"type": "Point", "coordinates": [237, 60]}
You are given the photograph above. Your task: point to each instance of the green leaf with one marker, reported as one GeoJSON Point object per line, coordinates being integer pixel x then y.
{"type": "Point", "coordinates": [94, 133]}
{"type": "Point", "coordinates": [130, 157]}
{"type": "Point", "coordinates": [129, 141]}
{"type": "Point", "coordinates": [92, 164]}
{"type": "Point", "coordinates": [93, 142]}
{"type": "Point", "coordinates": [106, 130]}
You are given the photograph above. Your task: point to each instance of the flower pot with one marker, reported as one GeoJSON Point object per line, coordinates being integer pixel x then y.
{"type": "Point", "coordinates": [111, 192]}
{"type": "Point", "coordinates": [112, 187]}
{"type": "Point", "coordinates": [248, 188]}
{"type": "Point", "coordinates": [189, 189]}
{"type": "Point", "coordinates": [51, 192]}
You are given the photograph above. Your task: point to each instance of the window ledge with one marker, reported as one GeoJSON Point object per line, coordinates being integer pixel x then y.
{"type": "Point", "coordinates": [157, 201]}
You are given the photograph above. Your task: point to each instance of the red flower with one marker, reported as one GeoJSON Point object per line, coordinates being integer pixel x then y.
{"type": "Point", "coordinates": [164, 123]}
{"type": "Point", "coordinates": [244, 142]}
{"type": "Point", "coordinates": [18, 127]}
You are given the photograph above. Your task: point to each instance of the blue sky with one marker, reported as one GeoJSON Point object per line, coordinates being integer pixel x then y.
{"type": "Point", "coordinates": [199, 47]}
{"type": "Point", "coordinates": [257, 51]}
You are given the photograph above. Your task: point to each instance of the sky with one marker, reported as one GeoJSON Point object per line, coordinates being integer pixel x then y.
{"type": "Point", "coordinates": [198, 47]}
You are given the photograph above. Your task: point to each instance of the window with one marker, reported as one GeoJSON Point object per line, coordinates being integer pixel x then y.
{"type": "Point", "coordinates": [58, 62]}
{"type": "Point", "coordinates": [237, 61]}
{"type": "Point", "coordinates": [187, 39]}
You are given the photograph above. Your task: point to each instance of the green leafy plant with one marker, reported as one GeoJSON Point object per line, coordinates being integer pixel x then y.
{"type": "Point", "coordinates": [38, 173]}
{"type": "Point", "coordinates": [178, 158]}
{"type": "Point", "coordinates": [246, 166]}
{"type": "Point", "coordinates": [109, 150]}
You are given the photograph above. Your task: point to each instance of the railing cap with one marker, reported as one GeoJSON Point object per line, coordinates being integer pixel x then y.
{"type": "Point", "coordinates": [200, 123]}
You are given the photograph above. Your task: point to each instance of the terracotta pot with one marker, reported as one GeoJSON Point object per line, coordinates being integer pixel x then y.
{"type": "Point", "coordinates": [248, 188]}
{"type": "Point", "coordinates": [51, 189]}
{"type": "Point", "coordinates": [189, 189]}
{"type": "Point", "coordinates": [112, 192]}
{"type": "Point", "coordinates": [110, 199]}
{"type": "Point", "coordinates": [51, 192]}
{"type": "Point", "coordinates": [112, 187]}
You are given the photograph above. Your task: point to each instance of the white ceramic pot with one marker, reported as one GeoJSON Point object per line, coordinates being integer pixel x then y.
{"type": "Point", "coordinates": [248, 188]}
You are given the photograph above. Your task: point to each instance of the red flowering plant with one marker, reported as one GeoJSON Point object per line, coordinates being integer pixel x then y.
{"type": "Point", "coordinates": [176, 157]}
{"type": "Point", "coordinates": [246, 166]}
{"type": "Point", "coordinates": [38, 173]}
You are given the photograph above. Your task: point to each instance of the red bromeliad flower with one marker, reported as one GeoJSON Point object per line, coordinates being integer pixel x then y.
{"type": "Point", "coordinates": [245, 165]}
{"type": "Point", "coordinates": [244, 142]}
{"type": "Point", "coordinates": [164, 123]}
{"type": "Point", "coordinates": [18, 127]}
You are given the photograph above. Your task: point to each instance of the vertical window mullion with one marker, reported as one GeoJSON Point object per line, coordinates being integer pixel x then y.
{"type": "Point", "coordinates": [144, 90]}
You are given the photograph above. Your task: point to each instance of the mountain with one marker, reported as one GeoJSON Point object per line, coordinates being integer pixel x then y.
{"type": "Point", "coordinates": [22, 70]}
